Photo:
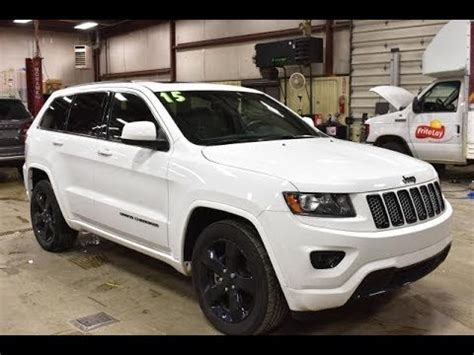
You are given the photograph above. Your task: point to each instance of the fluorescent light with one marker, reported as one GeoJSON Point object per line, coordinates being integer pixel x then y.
{"type": "Point", "coordinates": [22, 21]}
{"type": "Point", "coordinates": [86, 25]}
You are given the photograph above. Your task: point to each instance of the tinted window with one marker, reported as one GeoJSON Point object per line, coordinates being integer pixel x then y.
{"type": "Point", "coordinates": [56, 114]}
{"type": "Point", "coordinates": [86, 113]}
{"type": "Point", "coordinates": [443, 97]}
{"type": "Point", "coordinates": [226, 117]}
{"type": "Point", "coordinates": [128, 108]}
{"type": "Point", "coordinates": [13, 110]}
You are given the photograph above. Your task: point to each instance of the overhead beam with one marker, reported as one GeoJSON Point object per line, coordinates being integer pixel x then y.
{"type": "Point", "coordinates": [216, 42]}
{"type": "Point", "coordinates": [133, 74]}
{"type": "Point", "coordinates": [128, 26]}
{"type": "Point", "coordinates": [44, 25]}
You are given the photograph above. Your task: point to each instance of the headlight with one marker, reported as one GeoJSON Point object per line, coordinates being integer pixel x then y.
{"type": "Point", "coordinates": [320, 204]}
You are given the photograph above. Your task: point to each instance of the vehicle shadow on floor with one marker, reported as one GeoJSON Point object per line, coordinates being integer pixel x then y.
{"type": "Point", "coordinates": [136, 264]}
{"type": "Point", "coordinates": [365, 316]}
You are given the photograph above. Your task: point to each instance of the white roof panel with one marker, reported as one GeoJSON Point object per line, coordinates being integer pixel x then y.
{"type": "Point", "coordinates": [447, 54]}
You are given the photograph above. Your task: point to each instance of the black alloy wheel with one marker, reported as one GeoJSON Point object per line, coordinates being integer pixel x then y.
{"type": "Point", "coordinates": [228, 282]}
{"type": "Point", "coordinates": [237, 288]}
{"type": "Point", "coordinates": [42, 216]}
{"type": "Point", "coordinates": [50, 228]}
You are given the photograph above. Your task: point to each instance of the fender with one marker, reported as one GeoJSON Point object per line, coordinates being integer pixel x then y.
{"type": "Point", "coordinates": [179, 248]}
{"type": "Point", "coordinates": [29, 189]}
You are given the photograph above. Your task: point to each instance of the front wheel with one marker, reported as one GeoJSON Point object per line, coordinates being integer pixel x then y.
{"type": "Point", "coordinates": [237, 288]}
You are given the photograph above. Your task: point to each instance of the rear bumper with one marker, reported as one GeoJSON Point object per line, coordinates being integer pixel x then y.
{"type": "Point", "coordinates": [12, 155]}
{"type": "Point", "coordinates": [11, 160]}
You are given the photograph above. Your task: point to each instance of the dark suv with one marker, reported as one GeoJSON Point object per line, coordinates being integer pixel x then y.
{"type": "Point", "coordinates": [15, 119]}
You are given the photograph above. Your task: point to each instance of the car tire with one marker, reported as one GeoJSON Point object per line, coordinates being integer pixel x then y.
{"type": "Point", "coordinates": [50, 229]}
{"type": "Point", "coordinates": [237, 288]}
{"type": "Point", "coordinates": [395, 146]}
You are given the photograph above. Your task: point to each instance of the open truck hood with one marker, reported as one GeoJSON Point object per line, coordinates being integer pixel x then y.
{"type": "Point", "coordinates": [396, 96]}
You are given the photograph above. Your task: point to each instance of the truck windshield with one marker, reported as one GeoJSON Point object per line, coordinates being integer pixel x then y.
{"type": "Point", "coordinates": [226, 117]}
{"type": "Point", "coordinates": [11, 109]}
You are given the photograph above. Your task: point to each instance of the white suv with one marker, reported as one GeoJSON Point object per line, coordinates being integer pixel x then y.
{"type": "Point", "coordinates": [226, 184]}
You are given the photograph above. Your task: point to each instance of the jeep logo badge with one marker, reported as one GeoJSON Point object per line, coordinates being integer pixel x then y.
{"type": "Point", "coordinates": [409, 179]}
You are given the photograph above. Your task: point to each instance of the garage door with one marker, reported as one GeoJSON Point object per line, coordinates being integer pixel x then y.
{"type": "Point", "coordinates": [371, 46]}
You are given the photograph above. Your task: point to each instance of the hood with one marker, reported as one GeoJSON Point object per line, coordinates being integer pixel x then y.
{"type": "Point", "coordinates": [396, 96]}
{"type": "Point", "coordinates": [323, 164]}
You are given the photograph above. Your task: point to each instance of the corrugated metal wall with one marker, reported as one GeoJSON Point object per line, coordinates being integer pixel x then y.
{"type": "Point", "coordinates": [371, 43]}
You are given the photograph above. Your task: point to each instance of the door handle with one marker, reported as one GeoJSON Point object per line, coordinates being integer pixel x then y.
{"type": "Point", "coordinates": [58, 143]}
{"type": "Point", "coordinates": [104, 152]}
{"type": "Point", "coordinates": [458, 128]}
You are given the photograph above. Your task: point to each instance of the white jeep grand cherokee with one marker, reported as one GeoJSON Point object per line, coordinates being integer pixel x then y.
{"type": "Point", "coordinates": [228, 185]}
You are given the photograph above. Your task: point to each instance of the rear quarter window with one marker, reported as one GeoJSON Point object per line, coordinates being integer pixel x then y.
{"type": "Point", "coordinates": [55, 116]}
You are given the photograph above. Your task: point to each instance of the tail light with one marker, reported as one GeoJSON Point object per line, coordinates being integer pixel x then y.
{"type": "Point", "coordinates": [366, 132]}
{"type": "Point", "coordinates": [24, 131]}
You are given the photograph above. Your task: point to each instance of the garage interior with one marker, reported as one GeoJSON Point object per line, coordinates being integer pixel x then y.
{"type": "Point", "coordinates": [44, 293]}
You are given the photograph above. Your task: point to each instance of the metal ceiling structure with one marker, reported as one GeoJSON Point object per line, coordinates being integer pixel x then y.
{"type": "Point", "coordinates": [106, 28]}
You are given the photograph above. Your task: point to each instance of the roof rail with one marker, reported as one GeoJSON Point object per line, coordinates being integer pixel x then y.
{"type": "Point", "coordinates": [100, 83]}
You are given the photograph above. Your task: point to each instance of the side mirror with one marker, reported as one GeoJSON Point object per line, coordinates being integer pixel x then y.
{"type": "Point", "coordinates": [308, 120]}
{"type": "Point", "coordinates": [143, 134]}
{"type": "Point", "coordinates": [416, 105]}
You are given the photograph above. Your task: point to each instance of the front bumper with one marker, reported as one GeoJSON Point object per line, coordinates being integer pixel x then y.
{"type": "Point", "coordinates": [310, 289]}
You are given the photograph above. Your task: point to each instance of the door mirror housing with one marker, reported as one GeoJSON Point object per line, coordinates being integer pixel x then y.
{"type": "Point", "coordinates": [143, 134]}
{"type": "Point", "coordinates": [416, 105]}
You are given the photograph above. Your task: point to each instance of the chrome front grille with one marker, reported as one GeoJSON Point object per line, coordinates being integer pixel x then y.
{"type": "Point", "coordinates": [406, 206]}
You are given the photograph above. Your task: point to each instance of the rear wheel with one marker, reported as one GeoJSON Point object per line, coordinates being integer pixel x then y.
{"type": "Point", "coordinates": [395, 146]}
{"type": "Point", "coordinates": [237, 288]}
{"type": "Point", "coordinates": [49, 226]}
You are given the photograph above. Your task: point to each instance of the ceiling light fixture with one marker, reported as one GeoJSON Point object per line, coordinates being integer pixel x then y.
{"type": "Point", "coordinates": [86, 25]}
{"type": "Point", "coordinates": [22, 21]}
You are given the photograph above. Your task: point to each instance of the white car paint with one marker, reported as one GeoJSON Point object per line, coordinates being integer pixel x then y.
{"type": "Point", "coordinates": [246, 179]}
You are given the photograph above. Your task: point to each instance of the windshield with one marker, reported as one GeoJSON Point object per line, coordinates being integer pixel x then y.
{"type": "Point", "coordinates": [226, 117]}
{"type": "Point", "coordinates": [11, 109]}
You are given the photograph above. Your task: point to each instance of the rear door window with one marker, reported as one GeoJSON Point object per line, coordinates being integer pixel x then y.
{"type": "Point", "coordinates": [86, 113]}
{"type": "Point", "coordinates": [55, 116]}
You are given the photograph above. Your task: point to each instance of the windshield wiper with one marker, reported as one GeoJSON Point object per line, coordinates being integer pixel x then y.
{"type": "Point", "coordinates": [232, 140]}
{"type": "Point", "coordinates": [287, 136]}
{"type": "Point", "coordinates": [258, 139]}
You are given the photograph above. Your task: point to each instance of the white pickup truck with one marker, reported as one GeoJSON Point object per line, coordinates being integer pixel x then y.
{"type": "Point", "coordinates": [438, 124]}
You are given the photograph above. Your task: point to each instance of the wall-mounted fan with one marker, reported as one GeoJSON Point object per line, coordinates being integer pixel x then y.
{"type": "Point", "coordinates": [297, 82]}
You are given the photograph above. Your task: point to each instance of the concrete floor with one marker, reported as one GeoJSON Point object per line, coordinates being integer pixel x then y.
{"type": "Point", "coordinates": [41, 292]}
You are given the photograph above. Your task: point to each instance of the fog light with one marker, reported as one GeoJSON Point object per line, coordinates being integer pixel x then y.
{"type": "Point", "coordinates": [326, 259]}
